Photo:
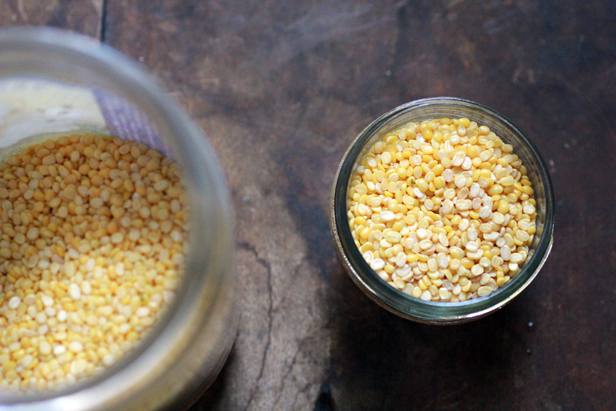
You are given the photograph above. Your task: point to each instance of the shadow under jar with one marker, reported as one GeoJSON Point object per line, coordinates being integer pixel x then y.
{"type": "Point", "coordinates": [396, 301]}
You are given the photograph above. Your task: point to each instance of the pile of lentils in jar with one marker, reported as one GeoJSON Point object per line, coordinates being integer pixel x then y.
{"type": "Point", "coordinates": [91, 250]}
{"type": "Point", "coordinates": [442, 210]}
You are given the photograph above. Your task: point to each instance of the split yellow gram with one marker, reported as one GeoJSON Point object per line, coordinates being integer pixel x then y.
{"type": "Point", "coordinates": [91, 249]}
{"type": "Point", "coordinates": [442, 210]}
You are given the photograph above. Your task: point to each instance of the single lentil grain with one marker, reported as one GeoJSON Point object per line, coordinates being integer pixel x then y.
{"type": "Point", "coordinates": [442, 210]}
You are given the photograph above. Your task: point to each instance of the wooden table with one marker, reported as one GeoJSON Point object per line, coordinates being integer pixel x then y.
{"type": "Point", "coordinates": [282, 88]}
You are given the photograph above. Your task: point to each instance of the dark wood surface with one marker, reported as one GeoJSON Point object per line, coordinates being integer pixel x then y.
{"type": "Point", "coordinates": [282, 88]}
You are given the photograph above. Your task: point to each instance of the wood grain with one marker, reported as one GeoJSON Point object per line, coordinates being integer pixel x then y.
{"type": "Point", "coordinates": [81, 16]}
{"type": "Point", "coordinates": [281, 88]}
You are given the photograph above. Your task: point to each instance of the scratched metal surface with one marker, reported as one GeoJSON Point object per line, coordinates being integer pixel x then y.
{"type": "Point", "coordinates": [283, 87]}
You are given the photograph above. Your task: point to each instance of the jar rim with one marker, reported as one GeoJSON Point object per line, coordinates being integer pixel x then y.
{"type": "Point", "coordinates": [395, 300]}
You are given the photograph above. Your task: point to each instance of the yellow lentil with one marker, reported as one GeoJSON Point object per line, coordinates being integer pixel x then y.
{"type": "Point", "coordinates": [442, 210]}
{"type": "Point", "coordinates": [84, 269]}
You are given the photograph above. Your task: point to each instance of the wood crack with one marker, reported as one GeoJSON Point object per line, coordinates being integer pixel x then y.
{"type": "Point", "coordinates": [300, 346]}
{"type": "Point", "coordinates": [248, 247]}
{"type": "Point", "coordinates": [103, 32]}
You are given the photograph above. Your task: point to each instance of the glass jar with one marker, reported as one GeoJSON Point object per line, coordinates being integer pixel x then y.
{"type": "Point", "coordinates": [54, 82]}
{"type": "Point", "coordinates": [396, 301]}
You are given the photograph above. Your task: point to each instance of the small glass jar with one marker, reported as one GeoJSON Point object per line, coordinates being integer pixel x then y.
{"type": "Point", "coordinates": [54, 83]}
{"type": "Point", "coordinates": [396, 301]}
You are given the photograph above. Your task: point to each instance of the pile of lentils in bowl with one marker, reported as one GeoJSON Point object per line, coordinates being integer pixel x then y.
{"type": "Point", "coordinates": [92, 245]}
{"type": "Point", "coordinates": [442, 210]}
